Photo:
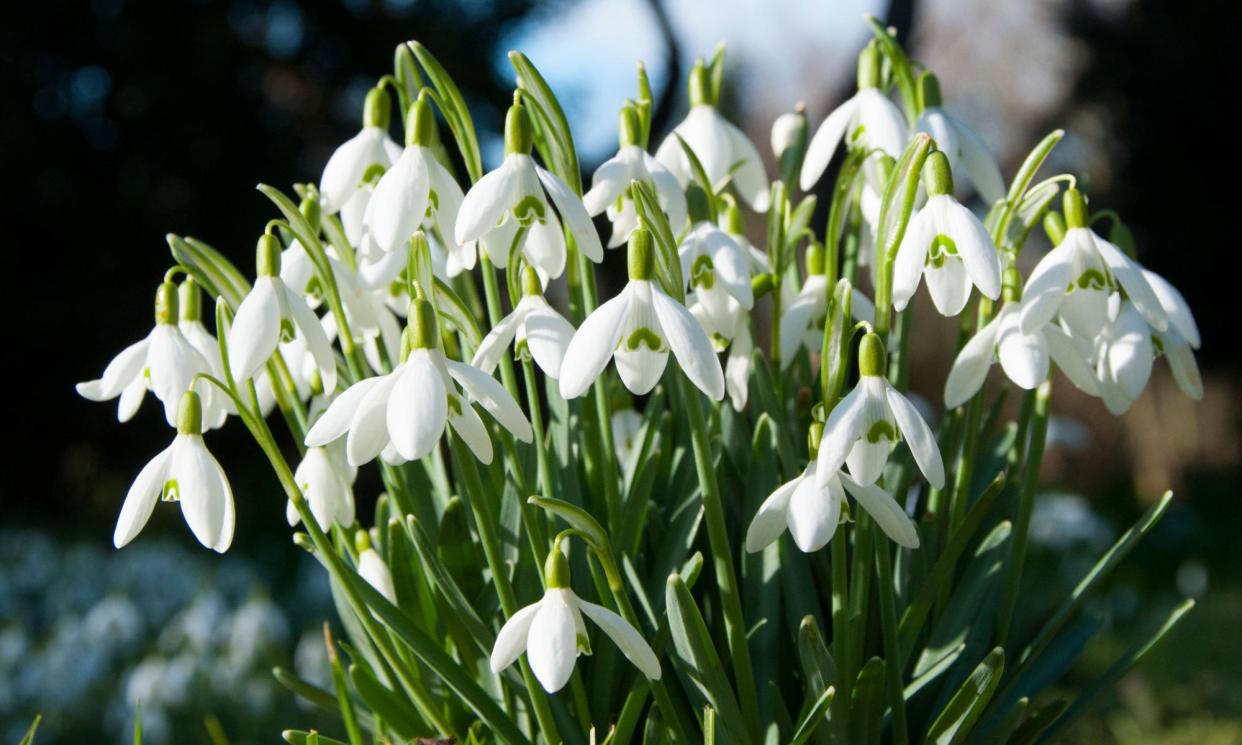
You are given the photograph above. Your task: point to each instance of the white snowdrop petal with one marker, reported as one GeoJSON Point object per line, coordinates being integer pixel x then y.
{"type": "Point", "coordinates": [608, 183]}
{"type": "Point", "coordinates": [1070, 359]}
{"type": "Point", "coordinates": [625, 636]}
{"type": "Point", "coordinates": [1024, 357]}
{"type": "Point", "coordinates": [1184, 366]}
{"type": "Point", "coordinates": [918, 436]}
{"type": "Point", "coordinates": [206, 501]}
{"type": "Point", "coordinates": [844, 426]}
{"type": "Point", "coordinates": [493, 397]}
{"type": "Point", "coordinates": [975, 247]}
{"type": "Point", "coordinates": [547, 337]}
{"type": "Point", "coordinates": [574, 214]}
{"type": "Point", "coordinates": [867, 459]}
{"type": "Point", "coordinates": [473, 432]}
{"type": "Point", "coordinates": [417, 406]}
{"type": "Point", "coordinates": [372, 568]}
{"type": "Point", "coordinates": [749, 179]}
{"type": "Point", "coordinates": [893, 520]}
{"type": "Point", "coordinates": [769, 522]}
{"type": "Point", "coordinates": [640, 369]}
{"type": "Point", "coordinates": [1045, 288]}
{"type": "Point", "coordinates": [593, 344]}
{"type": "Point", "coordinates": [814, 513]}
{"type": "Point", "coordinates": [316, 340]}
{"type": "Point", "coordinates": [1174, 304]}
{"type": "Point", "coordinates": [689, 344]}
{"type": "Point", "coordinates": [496, 343]}
{"type": "Point", "coordinates": [552, 644]}
{"type": "Point", "coordinates": [256, 329]}
{"type": "Point", "coordinates": [141, 498]}
{"type": "Point", "coordinates": [368, 428]}
{"type": "Point", "coordinates": [399, 201]}
{"type": "Point", "coordinates": [979, 163]}
{"type": "Point", "coordinates": [118, 375]}
{"type": "Point", "coordinates": [970, 369]}
{"type": "Point", "coordinates": [1131, 278]}
{"type": "Point", "coordinates": [824, 143]}
{"type": "Point", "coordinates": [544, 248]}
{"type": "Point", "coordinates": [949, 286]}
{"type": "Point", "coordinates": [511, 641]}
{"type": "Point", "coordinates": [911, 257]}
{"type": "Point", "coordinates": [485, 203]}
{"type": "Point", "coordinates": [884, 126]}
{"type": "Point", "coordinates": [334, 422]}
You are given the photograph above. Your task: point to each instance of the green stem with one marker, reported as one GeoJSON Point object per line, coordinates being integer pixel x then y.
{"type": "Point", "coordinates": [1026, 502]}
{"type": "Point", "coordinates": [840, 608]}
{"type": "Point", "coordinates": [722, 556]}
{"type": "Point", "coordinates": [892, 643]}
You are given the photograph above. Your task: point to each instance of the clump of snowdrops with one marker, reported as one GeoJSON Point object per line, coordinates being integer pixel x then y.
{"type": "Point", "coordinates": [745, 520]}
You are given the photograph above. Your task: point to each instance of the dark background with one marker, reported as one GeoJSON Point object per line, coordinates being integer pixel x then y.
{"type": "Point", "coordinates": [122, 121]}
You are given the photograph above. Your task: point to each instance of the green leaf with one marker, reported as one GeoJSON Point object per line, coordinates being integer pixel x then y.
{"type": "Point", "coordinates": [814, 717]}
{"type": "Point", "coordinates": [214, 273]}
{"type": "Point", "coordinates": [315, 695]}
{"type": "Point", "coordinates": [397, 712]}
{"type": "Point", "coordinates": [932, 672]}
{"type": "Point", "coordinates": [1033, 726]}
{"type": "Point", "coordinates": [715, 72]}
{"type": "Point", "coordinates": [1119, 668]}
{"type": "Point", "coordinates": [30, 733]}
{"type": "Point", "coordinates": [700, 175]}
{"type": "Point", "coordinates": [594, 533]}
{"type": "Point", "coordinates": [551, 117]}
{"type": "Point", "coordinates": [820, 671]}
{"type": "Point", "coordinates": [1026, 173]}
{"type": "Point", "coordinates": [866, 707]}
{"type": "Point", "coordinates": [462, 612]}
{"type": "Point", "coordinates": [963, 710]}
{"type": "Point", "coordinates": [451, 104]}
{"type": "Point", "coordinates": [1006, 728]}
{"type": "Point", "coordinates": [300, 737]}
{"type": "Point", "coordinates": [668, 263]}
{"type": "Point", "coordinates": [835, 354]}
{"type": "Point", "coordinates": [696, 653]}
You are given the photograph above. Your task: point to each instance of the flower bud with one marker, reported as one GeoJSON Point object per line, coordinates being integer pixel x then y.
{"type": "Point", "coordinates": [267, 256]}
{"type": "Point", "coordinates": [929, 91]}
{"type": "Point", "coordinates": [815, 259]}
{"type": "Point", "coordinates": [190, 300]}
{"type": "Point", "coordinates": [871, 356]}
{"type": "Point", "coordinates": [362, 541]}
{"type": "Point", "coordinates": [420, 123]}
{"type": "Point", "coordinates": [869, 66]}
{"type": "Point", "coordinates": [731, 221]}
{"type": "Point", "coordinates": [629, 128]}
{"type": "Point", "coordinates": [700, 85]}
{"type": "Point", "coordinates": [377, 110]}
{"type": "Point", "coordinates": [641, 257]}
{"type": "Point", "coordinates": [311, 209]}
{"type": "Point", "coordinates": [1011, 284]}
{"type": "Point", "coordinates": [166, 303]}
{"type": "Point", "coordinates": [1075, 207]}
{"type": "Point", "coordinates": [189, 414]}
{"type": "Point", "coordinates": [937, 176]}
{"type": "Point", "coordinates": [519, 137]}
{"type": "Point", "coordinates": [789, 141]}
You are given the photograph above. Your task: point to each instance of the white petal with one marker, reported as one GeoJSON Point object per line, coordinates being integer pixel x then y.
{"type": "Point", "coordinates": [669, 190]}
{"type": "Point", "coordinates": [417, 407]}
{"type": "Point", "coordinates": [625, 636]}
{"type": "Point", "coordinates": [884, 126]}
{"type": "Point", "coordinates": [640, 369]}
{"type": "Point", "coordinates": [1184, 366]}
{"type": "Point", "coordinates": [511, 641]}
{"type": "Point", "coordinates": [970, 368]}
{"type": "Point", "coordinates": [372, 568]}
{"type": "Point", "coordinates": [547, 337]}
{"type": "Point", "coordinates": [976, 249]}
{"type": "Point", "coordinates": [118, 375]}
{"type": "Point", "coordinates": [844, 426]}
{"type": "Point", "coordinates": [979, 164]}
{"type": "Point", "coordinates": [824, 143]}
{"type": "Point", "coordinates": [1070, 359]}
{"type": "Point", "coordinates": [574, 213]}
{"type": "Point", "coordinates": [1175, 307]}
{"type": "Point", "coordinates": [552, 645]}
{"type": "Point", "coordinates": [948, 285]}
{"type": "Point", "coordinates": [141, 498]}
{"type": "Point", "coordinates": [912, 257]}
{"type": "Point", "coordinates": [485, 203]}
{"type": "Point", "coordinates": [749, 179]}
{"type": "Point", "coordinates": [593, 345]}
{"type": "Point", "coordinates": [334, 422]}
{"type": "Point", "coordinates": [867, 459]}
{"type": "Point", "coordinates": [172, 363]}
{"type": "Point", "coordinates": [1024, 357]}
{"type": "Point", "coordinates": [795, 320]}
{"type": "Point", "coordinates": [544, 248]}
{"type": "Point", "coordinates": [704, 131]}
{"type": "Point", "coordinates": [472, 431]}
{"type": "Point", "coordinates": [493, 346]}
{"type": "Point", "coordinates": [493, 397]}
{"type": "Point", "coordinates": [206, 499]}
{"type": "Point", "coordinates": [399, 201]}
{"type": "Point", "coordinates": [918, 436]}
{"type": "Point", "coordinates": [368, 429]}
{"type": "Point", "coordinates": [1046, 286]}
{"type": "Point", "coordinates": [893, 520]}
{"type": "Point", "coordinates": [1130, 353]}
{"type": "Point", "coordinates": [689, 344]}
{"type": "Point", "coordinates": [1131, 278]}
{"type": "Point", "coordinates": [769, 522]}
{"type": "Point", "coordinates": [732, 266]}
{"type": "Point", "coordinates": [131, 399]}
{"type": "Point", "coordinates": [256, 329]}
{"type": "Point", "coordinates": [316, 340]}
{"type": "Point", "coordinates": [608, 183]}
{"type": "Point", "coordinates": [737, 371]}
{"type": "Point", "coordinates": [814, 513]}
{"type": "Point", "coordinates": [344, 170]}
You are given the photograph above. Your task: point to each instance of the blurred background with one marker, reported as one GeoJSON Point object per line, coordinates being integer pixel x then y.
{"type": "Point", "coordinates": [122, 120]}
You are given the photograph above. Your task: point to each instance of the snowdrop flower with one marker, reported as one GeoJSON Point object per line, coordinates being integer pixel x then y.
{"type": "Point", "coordinates": [718, 270]}
{"type": "Point", "coordinates": [326, 480]}
{"type": "Point", "coordinates": [864, 426]}
{"type": "Point", "coordinates": [269, 313]}
{"type": "Point", "coordinates": [723, 150]}
{"type": "Point", "coordinates": [611, 182]}
{"type": "Point", "coordinates": [552, 632]}
{"type": "Point", "coordinates": [165, 362]}
{"type": "Point", "coordinates": [948, 245]}
{"type": "Point", "coordinates": [811, 509]}
{"type": "Point", "coordinates": [868, 119]}
{"type": "Point", "coordinates": [190, 322]}
{"type": "Point", "coordinates": [1180, 339]}
{"type": "Point", "coordinates": [789, 142]}
{"type": "Point", "coordinates": [639, 327]}
{"type": "Point", "coordinates": [802, 321]}
{"type": "Point", "coordinates": [185, 472]}
{"type": "Point", "coordinates": [347, 168]}
{"type": "Point", "coordinates": [515, 196]}
{"type": "Point", "coordinates": [738, 365]}
{"type": "Point", "coordinates": [1025, 358]}
{"type": "Point", "coordinates": [418, 191]}
{"type": "Point", "coordinates": [1077, 277]}
{"type": "Point", "coordinates": [535, 329]}
{"type": "Point", "coordinates": [372, 568]}
{"type": "Point", "coordinates": [404, 414]}
{"type": "Point", "coordinates": [626, 425]}
{"type": "Point", "coordinates": [1123, 358]}
{"type": "Point", "coordinates": [967, 153]}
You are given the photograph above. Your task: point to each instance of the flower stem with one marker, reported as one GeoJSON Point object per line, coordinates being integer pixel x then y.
{"type": "Point", "coordinates": [722, 556]}
{"type": "Point", "coordinates": [892, 643]}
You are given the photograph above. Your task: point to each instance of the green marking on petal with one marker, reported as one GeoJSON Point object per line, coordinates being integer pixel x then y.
{"type": "Point", "coordinates": [1091, 279]}
{"type": "Point", "coordinates": [454, 404]}
{"type": "Point", "coordinates": [703, 272]}
{"type": "Point", "coordinates": [529, 210]}
{"type": "Point", "coordinates": [171, 491]}
{"type": "Point", "coordinates": [646, 336]}
{"type": "Point", "coordinates": [521, 351]}
{"type": "Point", "coordinates": [882, 430]}
{"type": "Point", "coordinates": [942, 247]}
{"type": "Point", "coordinates": [372, 174]}
{"type": "Point", "coordinates": [287, 331]}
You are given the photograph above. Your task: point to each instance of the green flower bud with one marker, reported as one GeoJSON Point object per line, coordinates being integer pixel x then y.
{"type": "Point", "coordinates": [556, 569]}
{"type": "Point", "coordinates": [869, 66]}
{"type": "Point", "coordinates": [929, 91]}
{"type": "Point", "coordinates": [189, 414]}
{"type": "Point", "coordinates": [362, 541]}
{"type": "Point", "coordinates": [937, 176]}
{"type": "Point", "coordinates": [815, 259]}
{"type": "Point", "coordinates": [519, 137]}
{"type": "Point", "coordinates": [1074, 204]}
{"type": "Point", "coordinates": [190, 299]}
{"type": "Point", "coordinates": [1054, 227]}
{"type": "Point", "coordinates": [641, 256]}
{"type": "Point", "coordinates": [267, 256]}
{"type": "Point", "coordinates": [700, 85]}
{"type": "Point", "coordinates": [166, 303]}
{"type": "Point", "coordinates": [871, 356]}
{"type": "Point", "coordinates": [311, 210]}
{"type": "Point", "coordinates": [420, 123]}
{"type": "Point", "coordinates": [377, 111]}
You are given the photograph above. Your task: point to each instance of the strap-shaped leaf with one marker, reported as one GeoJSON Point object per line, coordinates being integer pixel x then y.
{"type": "Point", "coordinates": [30, 733]}
{"type": "Point", "coordinates": [963, 710]}
{"type": "Point", "coordinates": [668, 264]}
{"type": "Point", "coordinates": [1022, 179]}
{"type": "Point", "coordinates": [867, 704]}
{"type": "Point", "coordinates": [316, 696]}
{"type": "Point", "coordinates": [815, 717]}
{"type": "Point", "coordinates": [1033, 726]}
{"type": "Point", "coordinates": [397, 712]}
{"type": "Point", "coordinates": [715, 72]}
{"type": "Point", "coordinates": [209, 269]}
{"type": "Point", "coordinates": [700, 175]}
{"type": "Point", "coordinates": [451, 104]}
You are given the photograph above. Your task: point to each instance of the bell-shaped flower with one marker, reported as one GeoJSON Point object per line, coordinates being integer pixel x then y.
{"type": "Point", "coordinates": [418, 193]}
{"type": "Point", "coordinates": [626, 425]}
{"type": "Point", "coordinates": [186, 472]}
{"type": "Point", "coordinates": [216, 407]}
{"type": "Point", "coordinates": [864, 426]}
{"type": "Point", "coordinates": [639, 327]}
{"type": "Point", "coordinates": [723, 150]}
{"type": "Point", "coordinates": [1123, 358]}
{"type": "Point", "coordinates": [966, 151]}
{"type": "Point", "coordinates": [1178, 342]}
{"type": "Point", "coordinates": [404, 414]}
{"type": "Point", "coordinates": [165, 362]}
{"type": "Point", "coordinates": [731, 330]}
{"type": "Point", "coordinates": [948, 245]}
{"type": "Point", "coordinates": [610, 185]}
{"type": "Point", "coordinates": [326, 480]}
{"type": "Point", "coordinates": [535, 330]}
{"type": "Point", "coordinates": [1025, 358]}
{"type": "Point", "coordinates": [1076, 279]}
{"type": "Point", "coordinates": [811, 509]}
{"type": "Point", "coordinates": [718, 270]}
{"type": "Point", "coordinates": [552, 634]}
{"type": "Point", "coordinates": [370, 148]}
{"type": "Point", "coordinates": [868, 119]}
{"type": "Point", "coordinates": [269, 313]}
{"type": "Point", "coordinates": [802, 320]}
{"type": "Point", "coordinates": [514, 197]}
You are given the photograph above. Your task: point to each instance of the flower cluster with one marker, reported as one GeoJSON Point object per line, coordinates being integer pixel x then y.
{"type": "Point", "coordinates": [362, 328]}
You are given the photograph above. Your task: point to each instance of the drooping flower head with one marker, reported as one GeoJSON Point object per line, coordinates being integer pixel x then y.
{"type": "Point", "coordinates": [639, 327]}
{"type": "Point", "coordinates": [345, 171]}
{"type": "Point", "coordinates": [534, 328]}
{"type": "Point", "coordinates": [511, 204]}
{"type": "Point", "coordinates": [717, 269]}
{"type": "Point", "coordinates": [803, 319]}
{"type": "Point", "coordinates": [966, 151]}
